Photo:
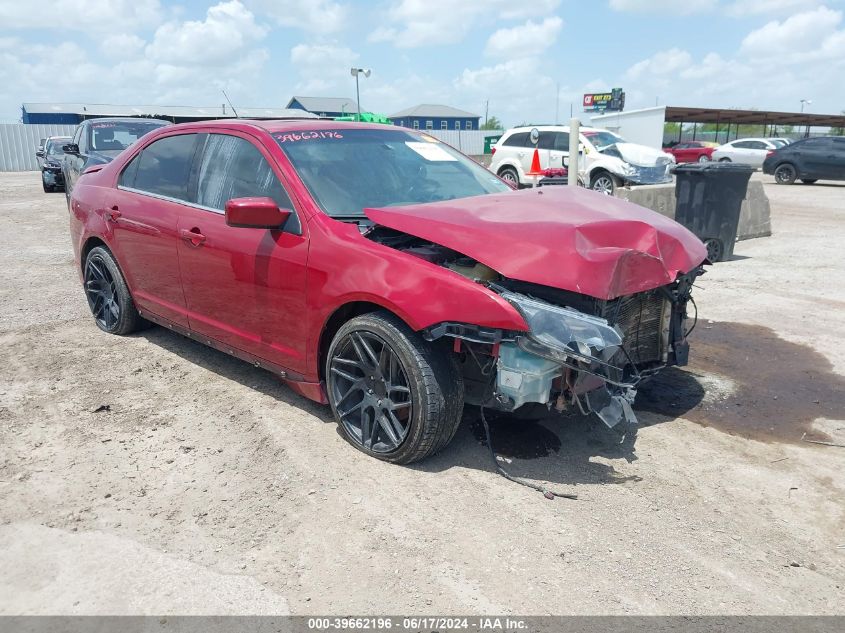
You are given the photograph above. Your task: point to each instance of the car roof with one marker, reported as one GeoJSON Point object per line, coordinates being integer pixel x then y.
{"type": "Point", "coordinates": [125, 119]}
{"type": "Point", "coordinates": [552, 128]}
{"type": "Point", "coordinates": [287, 125]}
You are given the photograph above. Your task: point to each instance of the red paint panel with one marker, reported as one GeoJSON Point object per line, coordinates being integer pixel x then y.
{"type": "Point", "coordinates": [564, 237]}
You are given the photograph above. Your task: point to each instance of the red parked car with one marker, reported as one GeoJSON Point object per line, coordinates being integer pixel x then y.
{"type": "Point", "coordinates": [692, 151]}
{"type": "Point", "coordinates": [378, 270]}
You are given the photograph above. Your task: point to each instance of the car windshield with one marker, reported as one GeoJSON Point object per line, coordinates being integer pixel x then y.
{"type": "Point", "coordinates": [54, 146]}
{"type": "Point", "coordinates": [349, 170]}
{"type": "Point", "coordinates": [602, 139]}
{"type": "Point", "coordinates": [118, 135]}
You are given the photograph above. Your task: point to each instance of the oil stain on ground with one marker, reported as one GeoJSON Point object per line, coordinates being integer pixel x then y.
{"type": "Point", "coordinates": [777, 388]}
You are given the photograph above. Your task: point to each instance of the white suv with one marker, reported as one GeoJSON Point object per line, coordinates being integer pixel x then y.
{"type": "Point", "coordinates": [606, 161]}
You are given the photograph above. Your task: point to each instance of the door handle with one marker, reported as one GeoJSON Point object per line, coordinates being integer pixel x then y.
{"type": "Point", "coordinates": [193, 236]}
{"type": "Point", "coordinates": [113, 214]}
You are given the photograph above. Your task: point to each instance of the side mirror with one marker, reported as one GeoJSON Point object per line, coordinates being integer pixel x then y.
{"type": "Point", "coordinates": [255, 213]}
{"type": "Point", "coordinates": [40, 153]}
{"type": "Point", "coordinates": [71, 148]}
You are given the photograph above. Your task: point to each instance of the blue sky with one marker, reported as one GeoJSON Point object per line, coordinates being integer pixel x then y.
{"type": "Point", "coordinates": [766, 54]}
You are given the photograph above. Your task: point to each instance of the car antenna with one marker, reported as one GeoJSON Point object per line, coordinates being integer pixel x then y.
{"type": "Point", "coordinates": [230, 104]}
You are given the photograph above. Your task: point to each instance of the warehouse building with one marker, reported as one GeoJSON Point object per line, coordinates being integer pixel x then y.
{"type": "Point", "coordinates": [427, 116]}
{"type": "Point", "coordinates": [330, 107]}
{"type": "Point", "coordinates": [74, 113]}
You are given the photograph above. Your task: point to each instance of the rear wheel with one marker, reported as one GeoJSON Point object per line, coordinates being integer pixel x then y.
{"type": "Point", "coordinates": [715, 249]}
{"type": "Point", "coordinates": [509, 174]}
{"type": "Point", "coordinates": [704, 158]}
{"type": "Point", "coordinates": [395, 396]}
{"type": "Point", "coordinates": [809, 181]}
{"type": "Point", "coordinates": [785, 174]}
{"type": "Point", "coordinates": [604, 182]}
{"type": "Point", "coordinates": [108, 296]}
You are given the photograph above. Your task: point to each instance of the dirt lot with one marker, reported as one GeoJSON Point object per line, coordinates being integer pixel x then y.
{"type": "Point", "coordinates": [208, 487]}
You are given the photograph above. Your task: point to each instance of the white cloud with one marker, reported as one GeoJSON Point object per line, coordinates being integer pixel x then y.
{"type": "Point", "coordinates": [321, 16]}
{"type": "Point", "coordinates": [122, 46]}
{"type": "Point", "coordinates": [228, 29]}
{"type": "Point", "coordinates": [769, 7]}
{"type": "Point", "coordinates": [524, 40]}
{"type": "Point", "coordinates": [323, 68]}
{"type": "Point", "coordinates": [664, 6]}
{"type": "Point", "coordinates": [662, 63]}
{"type": "Point", "coordinates": [83, 15]}
{"type": "Point", "coordinates": [804, 36]}
{"type": "Point", "coordinates": [416, 23]}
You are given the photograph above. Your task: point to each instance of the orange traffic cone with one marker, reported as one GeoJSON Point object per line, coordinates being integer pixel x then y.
{"type": "Point", "coordinates": [536, 170]}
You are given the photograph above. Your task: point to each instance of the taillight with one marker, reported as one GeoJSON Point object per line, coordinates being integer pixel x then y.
{"type": "Point", "coordinates": [769, 153]}
{"type": "Point", "coordinates": [492, 151]}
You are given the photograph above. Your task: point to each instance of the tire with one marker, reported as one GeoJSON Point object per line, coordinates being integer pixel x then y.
{"type": "Point", "coordinates": [604, 182]}
{"type": "Point", "coordinates": [785, 174]}
{"type": "Point", "coordinates": [509, 174]}
{"type": "Point", "coordinates": [420, 379]}
{"type": "Point", "coordinates": [704, 158]}
{"type": "Point", "coordinates": [809, 181]}
{"type": "Point", "coordinates": [715, 249]}
{"type": "Point", "coordinates": [47, 188]}
{"type": "Point", "coordinates": [108, 296]}
{"type": "Point", "coordinates": [725, 160]}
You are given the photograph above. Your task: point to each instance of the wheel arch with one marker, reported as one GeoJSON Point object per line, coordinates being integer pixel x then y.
{"type": "Point", "coordinates": [335, 321]}
{"type": "Point", "coordinates": [90, 244]}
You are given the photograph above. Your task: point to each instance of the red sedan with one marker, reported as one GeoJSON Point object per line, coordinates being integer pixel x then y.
{"type": "Point", "coordinates": [380, 271]}
{"type": "Point", "coordinates": [692, 151]}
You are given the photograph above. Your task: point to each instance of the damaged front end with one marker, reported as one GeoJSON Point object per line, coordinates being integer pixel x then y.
{"type": "Point", "coordinates": [580, 354]}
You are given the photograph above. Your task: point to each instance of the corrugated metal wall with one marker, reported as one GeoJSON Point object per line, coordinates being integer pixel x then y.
{"type": "Point", "coordinates": [18, 143]}
{"type": "Point", "coordinates": [470, 142]}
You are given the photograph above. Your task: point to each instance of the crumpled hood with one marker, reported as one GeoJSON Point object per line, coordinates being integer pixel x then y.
{"type": "Point", "coordinates": [642, 154]}
{"type": "Point", "coordinates": [564, 237]}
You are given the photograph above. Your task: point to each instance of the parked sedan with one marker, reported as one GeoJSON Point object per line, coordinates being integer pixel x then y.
{"type": "Point", "coordinates": [808, 160]}
{"type": "Point", "coordinates": [382, 272]}
{"type": "Point", "coordinates": [98, 141]}
{"type": "Point", "coordinates": [692, 151]}
{"type": "Point", "coordinates": [748, 151]}
{"type": "Point", "coordinates": [50, 161]}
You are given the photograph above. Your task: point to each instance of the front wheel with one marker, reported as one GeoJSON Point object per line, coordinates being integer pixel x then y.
{"type": "Point", "coordinates": [107, 294]}
{"type": "Point", "coordinates": [604, 182]}
{"type": "Point", "coordinates": [47, 188]}
{"type": "Point", "coordinates": [785, 174]}
{"type": "Point", "coordinates": [704, 158]}
{"type": "Point", "coordinates": [715, 250]}
{"type": "Point", "coordinates": [725, 160]}
{"type": "Point", "coordinates": [395, 396]}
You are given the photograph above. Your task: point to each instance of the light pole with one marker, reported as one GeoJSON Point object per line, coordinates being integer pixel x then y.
{"type": "Point", "coordinates": [805, 102]}
{"type": "Point", "coordinates": [355, 72]}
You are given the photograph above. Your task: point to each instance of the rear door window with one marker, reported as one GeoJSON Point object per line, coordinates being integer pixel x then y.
{"type": "Point", "coordinates": [520, 139]}
{"type": "Point", "coordinates": [164, 166]}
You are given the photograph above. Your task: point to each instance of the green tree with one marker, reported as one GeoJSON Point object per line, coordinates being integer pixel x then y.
{"type": "Point", "coordinates": [492, 124]}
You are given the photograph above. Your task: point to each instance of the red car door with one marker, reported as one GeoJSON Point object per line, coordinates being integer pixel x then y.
{"type": "Point", "coordinates": [144, 211]}
{"type": "Point", "coordinates": [245, 287]}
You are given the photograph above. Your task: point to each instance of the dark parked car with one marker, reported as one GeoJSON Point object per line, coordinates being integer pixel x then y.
{"type": "Point", "coordinates": [808, 160]}
{"type": "Point", "coordinates": [380, 271]}
{"type": "Point", "coordinates": [98, 141]}
{"type": "Point", "coordinates": [50, 160]}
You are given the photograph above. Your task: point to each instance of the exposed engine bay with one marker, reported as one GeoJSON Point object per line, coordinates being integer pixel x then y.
{"type": "Point", "coordinates": [581, 354]}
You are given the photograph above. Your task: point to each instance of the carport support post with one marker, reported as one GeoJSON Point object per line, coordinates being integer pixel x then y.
{"type": "Point", "coordinates": [574, 135]}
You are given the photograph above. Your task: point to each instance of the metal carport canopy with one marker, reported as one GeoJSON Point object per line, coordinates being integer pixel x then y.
{"type": "Point", "coordinates": [754, 117]}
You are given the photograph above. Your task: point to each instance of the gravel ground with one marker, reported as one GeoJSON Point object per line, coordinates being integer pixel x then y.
{"type": "Point", "coordinates": [205, 486]}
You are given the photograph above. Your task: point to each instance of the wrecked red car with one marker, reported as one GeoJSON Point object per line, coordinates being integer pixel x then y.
{"type": "Point", "coordinates": [382, 272]}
